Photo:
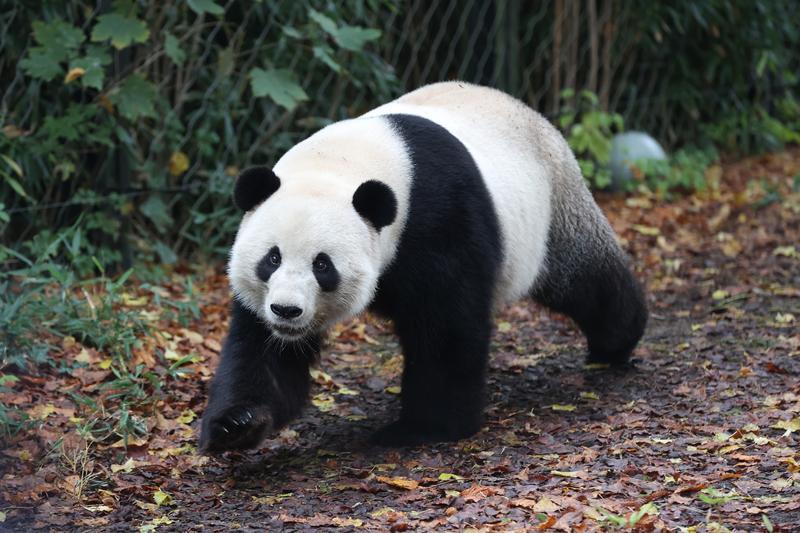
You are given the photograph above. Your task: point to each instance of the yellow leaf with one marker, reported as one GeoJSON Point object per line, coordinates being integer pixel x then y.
{"type": "Point", "coordinates": [720, 294]}
{"type": "Point", "coordinates": [40, 412]}
{"type": "Point", "coordinates": [132, 301]}
{"type": "Point", "coordinates": [105, 364]}
{"type": "Point", "coordinates": [784, 318]}
{"type": "Point", "coordinates": [382, 512]}
{"type": "Point", "coordinates": [393, 389]}
{"type": "Point", "coordinates": [323, 401]}
{"type": "Point", "coordinates": [789, 425]}
{"type": "Point", "coordinates": [162, 498]}
{"type": "Point", "coordinates": [83, 356]}
{"type": "Point", "coordinates": [590, 396]}
{"type": "Point", "coordinates": [178, 163]}
{"type": "Point", "coordinates": [321, 377]}
{"type": "Point", "coordinates": [98, 508]}
{"type": "Point", "coordinates": [786, 251]}
{"type": "Point", "coordinates": [562, 407]}
{"type": "Point", "coordinates": [193, 336]}
{"type": "Point", "coordinates": [162, 521]}
{"type": "Point", "coordinates": [186, 416]}
{"type": "Point", "coordinates": [400, 482]}
{"type": "Point", "coordinates": [141, 441]}
{"type": "Point", "coordinates": [646, 230]}
{"type": "Point", "coordinates": [450, 477]}
{"type": "Point", "coordinates": [591, 512]}
{"type": "Point", "coordinates": [545, 505]}
{"type": "Point", "coordinates": [728, 449]}
{"type": "Point", "coordinates": [74, 74]}
{"type": "Point", "coordinates": [344, 391]}
{"type": "Point", "coordinates": [126, 467]}
{"type": "Point", "coordinates": [731, 248]}
{"type": "Point", "coordinates": [503, 327]}
{"type": "Point", "coordinates": [347, 522]}
{"type": "Point", "coordinates": [563, 473]}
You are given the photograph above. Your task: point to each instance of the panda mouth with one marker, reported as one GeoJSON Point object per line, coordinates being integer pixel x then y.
{"type": "Point", "coordinates": [287, 332]}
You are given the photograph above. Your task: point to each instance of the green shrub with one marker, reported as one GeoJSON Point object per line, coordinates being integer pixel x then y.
{"type": "Point", "coordinates": [589, 131]}
{"type": "Point", "coordinates": [684, 171]}
{"type": "Point", "coordinates": [133, 120]}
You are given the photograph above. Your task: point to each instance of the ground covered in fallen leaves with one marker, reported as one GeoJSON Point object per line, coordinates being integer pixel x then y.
{"type": "Point", "coordinates": [702, 432]}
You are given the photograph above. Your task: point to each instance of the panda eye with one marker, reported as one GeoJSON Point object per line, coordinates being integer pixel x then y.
{"type": "Point", "coordinates": [321, 265]}
{"type": "Point", "coordinates": [275, 258]}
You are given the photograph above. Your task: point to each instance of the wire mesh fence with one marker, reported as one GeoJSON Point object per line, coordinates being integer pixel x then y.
{"type": "Point", "coordinates": [187, 84]}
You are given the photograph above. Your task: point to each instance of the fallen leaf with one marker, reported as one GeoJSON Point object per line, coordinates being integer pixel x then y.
{"type": "Point", "coordinates": [546, 505]}
{"type": "Point", "coordinates": [126, 467]}
{"type": "Point", "coordinates": [565, 473]}
{"type": "Point", "coordinates": [478, 492]}
{"type": "Point", "coordinates": [789, 425]}
{"type": "Point", "coordinates": [323, 401]}
{"type": "Point", "coordinates": [646, 230]}
{"type": "Point", "coordinates": [162, 498]}
{"type": "Point", "coordinates": [399, 482]}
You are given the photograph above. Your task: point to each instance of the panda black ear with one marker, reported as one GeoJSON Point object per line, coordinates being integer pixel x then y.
{"type": "Point", "coordinates": [375, 202]}
{"type": "Point", "coordinates": [253, 186]}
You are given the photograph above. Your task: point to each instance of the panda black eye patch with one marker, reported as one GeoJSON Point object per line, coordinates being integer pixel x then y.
{"type": "Point", "coordinates": [325, 272]}
{"type": "Point", "coordinates": [268, 264]}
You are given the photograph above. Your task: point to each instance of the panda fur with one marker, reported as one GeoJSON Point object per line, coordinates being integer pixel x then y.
{"type": "Point", "coordinates": [432, 210]}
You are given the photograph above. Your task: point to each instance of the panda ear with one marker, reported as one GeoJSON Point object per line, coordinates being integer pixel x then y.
{"type": "Point", "coordinates": [375, 202]}
{"type": "Point", "coordinates": [253, 186]}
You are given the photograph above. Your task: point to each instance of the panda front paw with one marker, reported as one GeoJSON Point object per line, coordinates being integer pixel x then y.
{"type": "Point", "coordinates": [237, 428]}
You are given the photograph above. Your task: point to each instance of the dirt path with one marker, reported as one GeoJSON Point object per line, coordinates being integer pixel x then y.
{"type": "Point", "coordinates": [702, 430]}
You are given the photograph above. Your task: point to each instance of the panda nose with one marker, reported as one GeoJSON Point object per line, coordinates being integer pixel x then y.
{"type": "Point", "coordinates": [286, 311]}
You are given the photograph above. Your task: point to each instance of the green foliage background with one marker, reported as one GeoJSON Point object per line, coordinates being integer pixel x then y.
{"type": "Point", "coordinates": [172, 99]}
{"type": "Point", "coordinates": [125, 122]}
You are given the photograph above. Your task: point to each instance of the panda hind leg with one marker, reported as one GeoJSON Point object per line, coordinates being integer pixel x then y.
{"type": "Point", "coordinates": [444, 376]}
{"type": "Point", "coordinates": [605, 300]}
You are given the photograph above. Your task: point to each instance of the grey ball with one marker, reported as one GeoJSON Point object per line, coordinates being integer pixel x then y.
{"type": "Point", "coordinates": [627, 148]}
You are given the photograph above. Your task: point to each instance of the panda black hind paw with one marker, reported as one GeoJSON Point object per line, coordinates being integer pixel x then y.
{"type": "Point", "coordinates": [618, 360]}
{"type": "Point", "coordinates": [237, 428]}
{"type": "Point", "coordinates": [401, 433]}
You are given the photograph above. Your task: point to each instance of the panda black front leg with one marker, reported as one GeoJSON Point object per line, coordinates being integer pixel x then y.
{"type": "Point", "coordinates": [260, 385]}
{"type": "Point", "coordinates": [443, 384]}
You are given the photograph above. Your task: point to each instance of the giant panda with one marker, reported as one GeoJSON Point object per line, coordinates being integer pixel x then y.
{"type": "Point", "coordinates": [432, 210]}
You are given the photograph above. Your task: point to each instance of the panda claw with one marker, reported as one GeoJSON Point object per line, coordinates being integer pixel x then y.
{"type": "Point", "coordinates": [235, 429]}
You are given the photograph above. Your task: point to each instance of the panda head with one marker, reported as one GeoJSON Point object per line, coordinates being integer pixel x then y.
{"type": "Point", "coordinates": [305, 259]}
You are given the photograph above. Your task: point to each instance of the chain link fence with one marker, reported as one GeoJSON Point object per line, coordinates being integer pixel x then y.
{"type": "Point", "coordinates": [196, 97]}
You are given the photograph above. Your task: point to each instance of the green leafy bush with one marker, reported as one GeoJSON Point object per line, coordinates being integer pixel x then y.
{"type": "Point", "coordinates": [133, 119]}
{"type": "Point", "coordinates": [684, 171]}
{"type": "Point", "coordinates": [589, 131]}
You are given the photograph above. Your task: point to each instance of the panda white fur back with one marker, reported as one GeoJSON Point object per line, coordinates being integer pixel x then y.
{"type": "Point", "coordinates": [430, 210]}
